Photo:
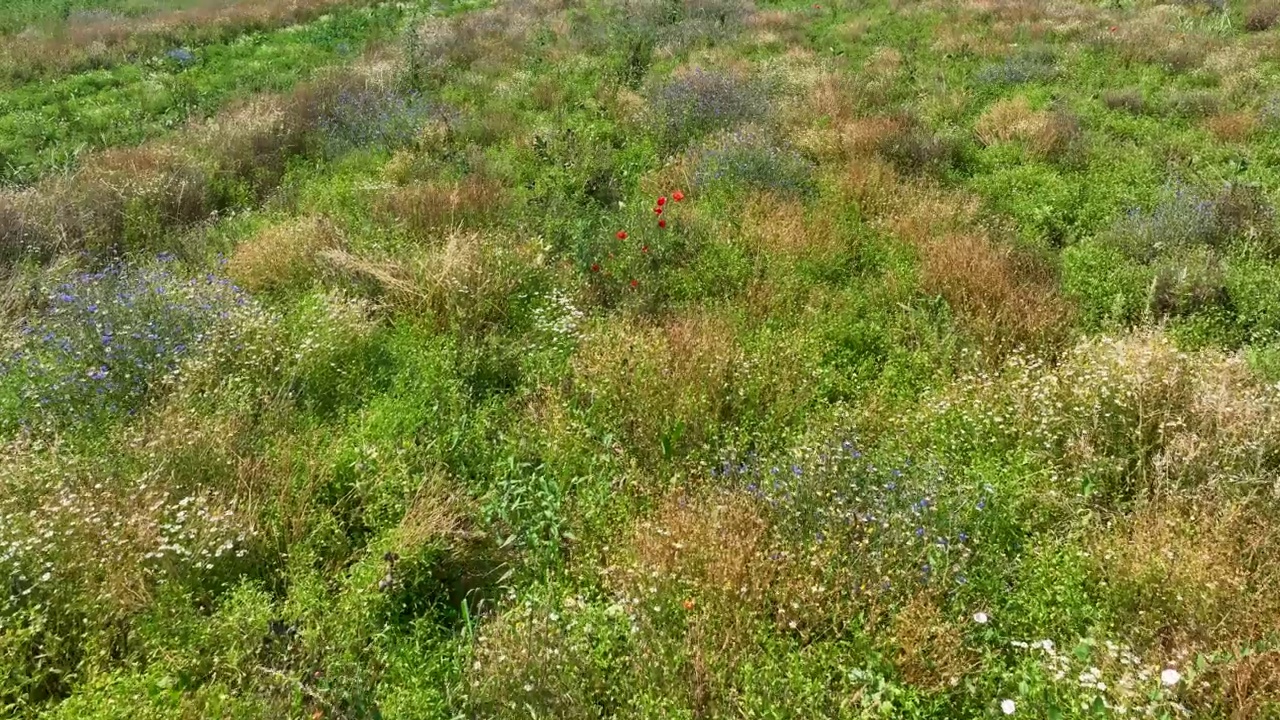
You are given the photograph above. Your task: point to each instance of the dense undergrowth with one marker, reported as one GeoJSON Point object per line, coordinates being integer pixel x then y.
{"type": "Point", "coordinates": [587, 359]}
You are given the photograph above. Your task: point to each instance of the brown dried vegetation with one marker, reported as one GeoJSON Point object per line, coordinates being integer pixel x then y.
{"type": "Point", "coordinates": [1007, 298]}
{"type": "Point", "coordinates": [437, 208]}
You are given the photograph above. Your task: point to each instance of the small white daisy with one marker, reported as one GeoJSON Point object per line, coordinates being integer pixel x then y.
{"type": "Point", "coordinates": [1170, 677]}
{"type": "Point", "coordinates": [1007, 707]}
{"type": "Point", "coordinates": [980, 618]}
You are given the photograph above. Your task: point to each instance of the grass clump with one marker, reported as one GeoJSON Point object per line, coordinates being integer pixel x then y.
{"type": "Point", "coordinates": [282, 256]}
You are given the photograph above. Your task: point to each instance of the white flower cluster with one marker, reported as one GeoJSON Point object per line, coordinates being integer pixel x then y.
{"type": "Point", "coordinates": [558, 319]}
{"type": "Point", "coordinates": [1112, 674]}
{"type": "Point", "coordinates": [71, 531]}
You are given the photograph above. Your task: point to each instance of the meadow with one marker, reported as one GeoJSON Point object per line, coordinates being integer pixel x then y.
{"type": "Point", "coordinates": [640, 359]}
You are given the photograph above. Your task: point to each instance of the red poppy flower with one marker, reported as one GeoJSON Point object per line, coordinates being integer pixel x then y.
{"type": "Point", "coordinates": [657, 211]}
{"type": "Point", "coordinates": [635, 283]}
{"type": "Point", "coordinates": [644, 249]}
{"type": "Point", "coordinates": [595, 267]}
{"type": "Point", "coordinates": [662, 223]}
{"type": "Point", "coordinates": [688, 604]}
{"type": "Point", "coordinates": [662, 201]}
{"type": "Point", "coordinates": [622, 234]}
{"type": "Point", "coordinates": [677, 196]}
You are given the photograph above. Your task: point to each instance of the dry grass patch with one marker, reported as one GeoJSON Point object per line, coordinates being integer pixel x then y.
{"type": "Point", "coordinates": [463, 284]}
{"type": "Point", "coordinates": [1262, 16]}
{"type": "Point", "coordinates": [1247, 686]}
{"type": "Point", "coordinates": [1049, 134]}
{"type": "Point", "coordinates": [775, 27]}
{"type": "Point", "coordinates": [860, 138]}
{"type": "Point", "coordinates": [1130, 100]}
{"type": "Point", "coordinates": [928, 649]}
{"type": "Point", "coordinates": [1008, 298]}
{"type": "Point", "coordinates": [783, 227]}
{"type": "Point", "coordinates": [283, 255]}
{"type": "Point", "coordinates": [436, 208]}
{"type": "Point", "coordinates": [127, 198]}
{"type": "Point", "coordinates": [698, 580]}
{"type": "Point", "coordinates": [1205, 575]}
{"type": "Point", "coordinates": [958, 39]}
{"type": "Point", "coordinates": [1235, 127]}
{"type": "Point", "coordinates": [1156, 37]}
{"type": "Point", "coordinates": [486, 41]}
{"type": "Point", "coordinates": [712, 551]}
{"type": "Point", "coordinates": [435, 515]}
{"type": "Point", "coordinates": [884, 65]}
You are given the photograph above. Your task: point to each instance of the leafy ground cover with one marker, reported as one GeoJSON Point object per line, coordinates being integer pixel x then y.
{"type": "Point", "coordinates": [584, 359]}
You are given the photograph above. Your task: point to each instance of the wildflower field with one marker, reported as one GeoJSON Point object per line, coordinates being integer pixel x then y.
{"type": "Point", "coordinates": [686, 359]}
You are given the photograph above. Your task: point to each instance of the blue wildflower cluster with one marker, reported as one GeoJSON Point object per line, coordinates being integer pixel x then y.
{"type": "Point", "coordinates": [1186, 218]}
{"type": "Point", "coordinates": [1036, 64]}
{"type": "Point", "coordinates": [181, 56]}
{"type": "Point", "coordinates": [105, 337]}
{"type": "Point", "coordinates": [374, 116]}
{"type": "Point", "coordinates": [1270, 112]}
{"type": "Point", "coordinates": [694, 104]}
{"type": "Point", "coordinates": [898, 527]}
{"type": "Point", "coordinates": [749, 159]}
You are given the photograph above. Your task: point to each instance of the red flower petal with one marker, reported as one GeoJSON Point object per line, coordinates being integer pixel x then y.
{"type": "Point", "coordinates": [677, 196]}
{"type": "Point", "coordinates": [635, 283]}
{"type": "Point", "coordinates": [622, 234]}
{"type": "Point", "coordinates": [662, 201]}
{"type": "Point", "coordinates": [657, 211]}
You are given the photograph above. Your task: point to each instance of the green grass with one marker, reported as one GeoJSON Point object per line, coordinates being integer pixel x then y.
{"type": "Point", "coordinates": [20, 15]}
{"type": "Point", "coordinates": [47, 126]}
{"type": "Point", "coordinates": [890, 419]}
